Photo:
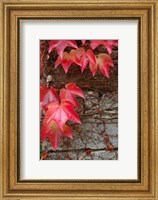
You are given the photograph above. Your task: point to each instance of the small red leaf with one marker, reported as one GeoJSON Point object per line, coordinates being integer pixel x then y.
{"type": "Point", "coordinates": [65, 94]}
{"type": "Point", "coordinates": [90, 55]}
{"type": "Point", "coordinates": [61, 112]}
{"type": "Point", "coordinates": [66, 61]}
{"type": "Point", "coordinates": [82, 57]}
{"type": "Point", "coordinates": [83, 42]}
{"type": "Point", "coordinates": [104, 62]}
{"type": "Point", "coordinates": [93, 68]}
{"type": "Point", "coordinates": [107, 43]}
{"type": "Point", "coordinates": [44, 155]}
{"type": "Point", "coordinates": [60, 45]}
{"type": "Point", "coordinates": [47, 95]}
{"type": "Point", "coordinates": [74, 89]}
{"type": "Point", "coordinates": [70, 93]}
{"type": "Point", "coordinates": [53, 132]}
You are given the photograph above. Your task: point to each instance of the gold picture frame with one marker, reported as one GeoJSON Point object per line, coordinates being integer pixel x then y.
{"type": "Point", "coordinates": [146, 187]}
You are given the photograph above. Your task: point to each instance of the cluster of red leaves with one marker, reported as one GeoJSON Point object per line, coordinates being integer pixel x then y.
{"type": "Point", "coordinates": [58, 110]}
{"type": "Point", "coordinates": [82, 56]}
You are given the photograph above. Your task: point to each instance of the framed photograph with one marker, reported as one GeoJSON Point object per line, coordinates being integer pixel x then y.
{"type": "Point", "coordinates": [79, 100]}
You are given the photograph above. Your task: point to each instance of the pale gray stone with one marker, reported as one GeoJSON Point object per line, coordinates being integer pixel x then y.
{"type": "Point", "coordinates": [114, 141]}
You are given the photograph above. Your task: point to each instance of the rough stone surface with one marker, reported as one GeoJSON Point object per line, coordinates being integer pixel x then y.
{"type": "Point", "coordinates": [83, 155]}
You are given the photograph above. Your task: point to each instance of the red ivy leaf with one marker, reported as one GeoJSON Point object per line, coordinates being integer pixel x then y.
{"type": "Point", "coordinates": [44, 155]}
{"type": "Point", "coordinates": [107, 43]}
{"type": "Point", "coordinates": [53, 132]}
{"type": "Point", "coordinates": [70, 93]}
{"type": "Point", "coordinates": [60, 45]}
{"type": "Point", "coordinates": [104, 62]}
{"type": "Point", "coordinates": [82, 57]}
{"type": "Point", "coordinates": [83, 42]}
{"type": "Point", "coordinates": [61, 112]}
{"type": "Point", "coordinates": [74, 89]}
{"type": "Point", "coordinates": [47, 95]}
{"type": "Point", "coordinates": [66, 61]}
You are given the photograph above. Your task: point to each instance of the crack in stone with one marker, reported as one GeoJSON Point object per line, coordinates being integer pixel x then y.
{"type": "Point", "coordinates": [74, 150]}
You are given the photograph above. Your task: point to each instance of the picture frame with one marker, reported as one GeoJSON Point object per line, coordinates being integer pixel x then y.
{"type": "Point", "coordinates": [145, 187]}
